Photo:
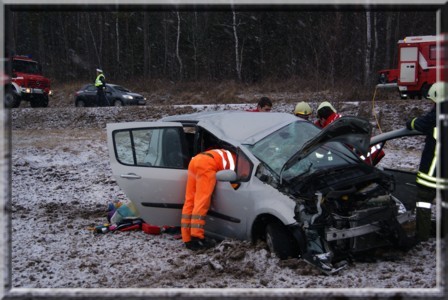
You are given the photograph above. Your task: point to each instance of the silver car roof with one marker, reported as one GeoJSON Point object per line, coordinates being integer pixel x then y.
{"type": "Point", "coordinates": [241, 126]}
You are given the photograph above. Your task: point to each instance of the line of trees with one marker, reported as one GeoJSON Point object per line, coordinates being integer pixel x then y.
{"type": "Point", "coordinates": [244, 45]}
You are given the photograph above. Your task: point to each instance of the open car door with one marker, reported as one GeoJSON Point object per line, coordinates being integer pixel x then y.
{"type": "Point", "coordinates": [149, 161]}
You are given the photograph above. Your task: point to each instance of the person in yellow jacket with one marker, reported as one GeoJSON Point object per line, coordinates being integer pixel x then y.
{"type": "Point", "coordinates": [201, 182]}
{"type": "Point", "coordinates": [100, 83]}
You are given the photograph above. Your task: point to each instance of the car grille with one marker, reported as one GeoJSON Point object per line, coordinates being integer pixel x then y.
{"type": "Point", "coordinates": [37, 84]}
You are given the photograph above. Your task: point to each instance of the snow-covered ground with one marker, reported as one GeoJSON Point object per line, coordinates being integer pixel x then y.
{"type": "Point", "coordinates": [61, 184]}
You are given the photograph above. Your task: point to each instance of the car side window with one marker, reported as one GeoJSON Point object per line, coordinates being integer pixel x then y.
{"type": "Point", "coordinates": [91, 88]}
{"type": "Point", "coordinates": [152, 147]}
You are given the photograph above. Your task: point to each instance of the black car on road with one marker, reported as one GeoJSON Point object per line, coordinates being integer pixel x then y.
{"type": "Point", "coordinates": [115, 94]}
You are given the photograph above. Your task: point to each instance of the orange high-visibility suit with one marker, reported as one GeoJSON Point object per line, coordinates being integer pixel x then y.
{"type": "Point", "coordinates": [200, 185]}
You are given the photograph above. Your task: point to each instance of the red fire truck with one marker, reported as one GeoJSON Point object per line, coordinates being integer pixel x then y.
{"type": "Point", "coordinates": [416, 70]}
{"type": "Point", "coordinates": [27, 83]}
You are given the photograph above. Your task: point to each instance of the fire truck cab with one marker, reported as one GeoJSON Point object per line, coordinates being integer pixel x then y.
{"type": "Point", "coordinates": [417, 65]}
{"type": "Point", "coordinates": [26, 83]}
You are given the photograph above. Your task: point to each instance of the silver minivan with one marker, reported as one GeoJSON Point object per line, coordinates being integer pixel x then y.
{"type": "Point", "coordinates": [303, 190]}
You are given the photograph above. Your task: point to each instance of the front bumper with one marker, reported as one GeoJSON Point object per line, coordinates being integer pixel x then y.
{"type": "Point", "coordinates": [334, 234]}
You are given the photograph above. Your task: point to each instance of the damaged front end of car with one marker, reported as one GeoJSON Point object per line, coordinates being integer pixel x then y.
{"type": "Point", "coordinates": [344, 207]}
{"type": "Point", "coordinates": [348, 213]}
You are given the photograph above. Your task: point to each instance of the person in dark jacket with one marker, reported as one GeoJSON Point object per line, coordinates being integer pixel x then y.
{"type": "Point", "coordinates": [426, 175]}
{"type": "Point", "coordinates": [100, 83]}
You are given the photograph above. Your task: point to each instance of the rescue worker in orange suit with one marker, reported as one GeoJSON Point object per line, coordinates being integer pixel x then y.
{"type": "Point", "coordinates": [327, 114]}
{"type": "Point", "coordinates": [426, 175]}
{"type": "Point", "coordinates": [200, 185]}
{"type": "Point", "coordinates": [100, 84]}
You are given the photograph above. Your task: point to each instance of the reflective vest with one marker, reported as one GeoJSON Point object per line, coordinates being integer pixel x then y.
{"type": "Point", "coordinates": [226, 158]}
{"type": "Point", "coordinates": [98, 81]}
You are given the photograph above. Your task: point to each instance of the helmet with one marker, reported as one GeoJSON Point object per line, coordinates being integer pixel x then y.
{"type": "Point", "coordinates": [437, 91]}
{"type": "Point", "coordinates": [326, 104]}
{"type": "Point", "coordinates": [303, 108]}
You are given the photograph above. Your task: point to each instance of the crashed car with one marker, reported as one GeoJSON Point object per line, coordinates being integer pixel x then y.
{"type": "Point", "coordinates": [303, 190]}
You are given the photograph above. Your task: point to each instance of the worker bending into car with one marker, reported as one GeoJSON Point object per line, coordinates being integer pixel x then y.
{"type": "Point", "coordinates": [201, 182]}
{"type": "Point", "coordinates": [426, 175]}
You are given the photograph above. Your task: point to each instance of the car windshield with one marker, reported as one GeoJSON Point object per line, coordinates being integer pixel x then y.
{"type": "Point", "coordinates": [25, 66]}
{"type": "Point", "coordinates": [121, 89]}
{"type": "Point", "coordinates": [275, 150]}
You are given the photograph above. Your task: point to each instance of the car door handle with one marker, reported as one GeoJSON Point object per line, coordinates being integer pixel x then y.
{"type": "Point", "coordinates": [130, 176]}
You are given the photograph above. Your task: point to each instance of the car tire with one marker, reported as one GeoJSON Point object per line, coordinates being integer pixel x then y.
{"type": "Point", "coordinates": [118, 103]}
{"type": "Point", "coordinates": [280, 241]}
{"type": "Point", "coordinates": [80, 103]}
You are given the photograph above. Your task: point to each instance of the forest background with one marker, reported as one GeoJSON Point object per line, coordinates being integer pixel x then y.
{"type": "Point", "coordinates": [175, 48]}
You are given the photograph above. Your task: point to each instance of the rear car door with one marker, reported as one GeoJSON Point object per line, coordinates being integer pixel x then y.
{"type": "Point", "coordinates": [149, 161]}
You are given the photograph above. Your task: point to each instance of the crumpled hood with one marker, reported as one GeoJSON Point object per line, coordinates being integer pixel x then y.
{"type": "Point", "coordinates": [352, 131]}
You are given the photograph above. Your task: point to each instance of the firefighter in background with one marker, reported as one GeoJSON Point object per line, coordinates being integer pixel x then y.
{"type": "Point", "coordinates": [426, 175]}
{"type": "Point", "coordinates": [303, 110]}
{"type": "Point", "coordinates": [326, 114]}
{"type": "Point", "coordinates": [100, 83]}
{"type": "Point", "coordinates": [264, 105]}
{"type": "Point", "coordinates": [200, 185]}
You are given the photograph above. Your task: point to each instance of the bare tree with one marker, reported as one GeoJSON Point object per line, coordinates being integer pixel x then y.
{"type": "Point", "coordinates": [117, 35]}
{"type": "Point", "coordinates": [375, 36]}
{"type": "Point", "coordinates": [93, 40]}
{"type": "Point", "coordinates": [238, 60]}
{"type": "Point", "coordinates": [146, 47]}
{"type": "Point", "coordinates": [368, 48]}
{"type": "Point", "coordinates": [177, 47]}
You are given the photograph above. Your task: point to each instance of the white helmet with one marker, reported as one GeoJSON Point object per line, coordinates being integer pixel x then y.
{"type": "Point", "coordinates": [303, 108]}
{"type": "Point", "coordinates": [326, 104]}
{"type": "Point", "coordinates": [437, 91]}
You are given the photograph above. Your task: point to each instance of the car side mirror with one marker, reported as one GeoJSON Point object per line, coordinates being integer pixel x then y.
{"type": "Point", "coordinates": [226, 175]}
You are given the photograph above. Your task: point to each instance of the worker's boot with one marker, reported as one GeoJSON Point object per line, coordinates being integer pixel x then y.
{"type": "Point", "coordinates": [423, 220]}
{"type": "Point", "coordinates": [198, 244]}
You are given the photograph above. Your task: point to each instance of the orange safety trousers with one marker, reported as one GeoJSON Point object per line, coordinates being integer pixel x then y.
{"type": "Point", "coordinates": [200, 185]}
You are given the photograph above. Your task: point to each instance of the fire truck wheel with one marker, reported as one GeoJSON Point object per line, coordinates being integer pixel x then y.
{"type": "Point", "coordinates": [424, 91]}
{"type": "Point", "coordinates": [11, 100]}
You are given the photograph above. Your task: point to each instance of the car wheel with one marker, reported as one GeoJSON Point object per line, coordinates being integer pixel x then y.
{"type": "Point", "coordinates": [118, 103]}
{"type": "Point", "coordinates": [80, 103]}
{"type": "Point", "coordinates": [280, 241]}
